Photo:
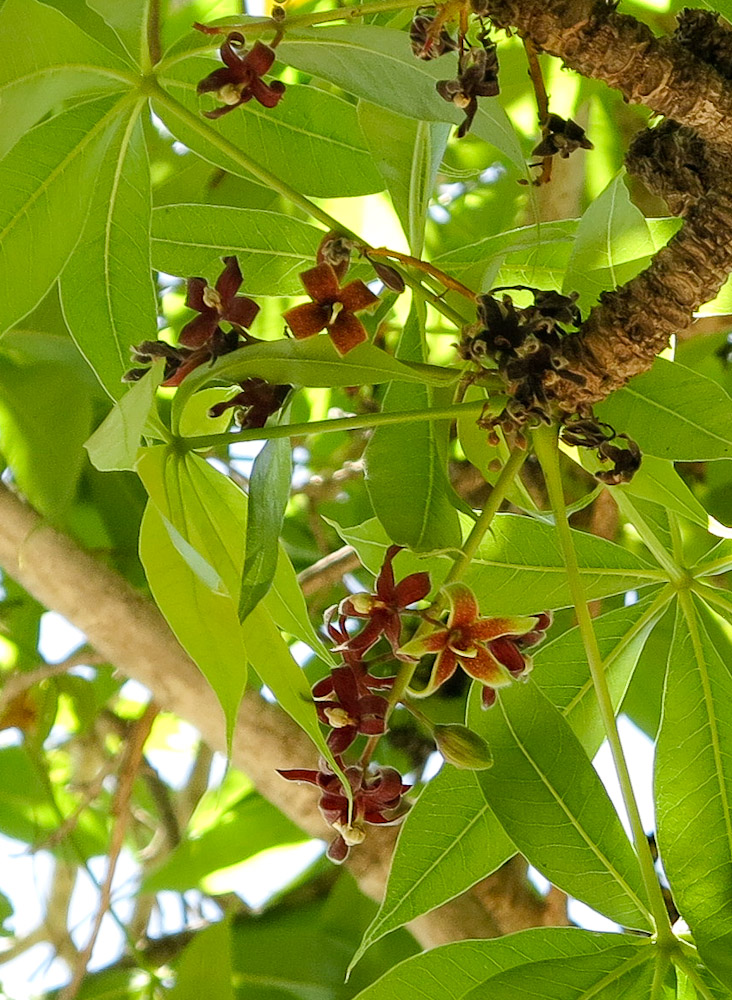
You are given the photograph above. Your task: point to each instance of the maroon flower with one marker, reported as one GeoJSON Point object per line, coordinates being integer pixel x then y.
{"type": "Point", "coordinates": [240, 79]}
{"type": "Point", "coordinates": [332, 308]}
{"type": "Point", "coordinates": [477, 77]}
{"type": "Point", "coordinates": [215, 304]}
{"type": "Point", "coordinates": [352, 710]}
{"type": "Point", "coordinates": [257, 401]}
{"type": "Point", "coordinates": [383, 609]}
{"type": "Point", "coordinates": [377, 799]}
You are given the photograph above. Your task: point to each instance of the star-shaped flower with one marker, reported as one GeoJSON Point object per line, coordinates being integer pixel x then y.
{"type": "Point", "coordinates": [384, 608]}
{"type": "Point", "coordinates": [332, 309]}
{"type": "Point", "coordinates": [240, 79]}
{"type": "Point", "coordinates": [215, 304]}
{"type": "Point", "coordinates": [350, 711]}
{"type": "Point", "coordinates": [488, 649]}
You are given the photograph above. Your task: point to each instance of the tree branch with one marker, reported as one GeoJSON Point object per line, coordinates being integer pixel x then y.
{"type": "Point", "coordinates": [126, 628]}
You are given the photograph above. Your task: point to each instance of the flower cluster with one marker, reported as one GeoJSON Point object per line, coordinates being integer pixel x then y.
{"type": "Point", "coordinates": [353, 701]}
{"type": "Point", "coordinates": [202, 339]}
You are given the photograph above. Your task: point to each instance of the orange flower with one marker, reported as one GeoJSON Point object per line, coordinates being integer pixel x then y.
{"type": "Point", "coordinates": [332, 309]}
{"type": "Point", "coordinates": [488, 649]}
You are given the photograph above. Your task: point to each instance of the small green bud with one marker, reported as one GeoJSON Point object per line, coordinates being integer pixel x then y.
{"type": "Point", "coordinates": [463, 748]}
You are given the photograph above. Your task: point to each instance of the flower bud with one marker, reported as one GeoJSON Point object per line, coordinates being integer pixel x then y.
{"type": "Point", "coordinates": [463, 748]}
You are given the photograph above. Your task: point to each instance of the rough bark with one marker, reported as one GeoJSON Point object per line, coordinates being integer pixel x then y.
{"type": "Point", "coordinates": [685, 78]}
{"type": "Point", "coordinates": [127, 629]}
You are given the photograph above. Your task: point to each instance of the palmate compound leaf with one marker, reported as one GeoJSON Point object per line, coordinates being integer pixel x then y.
{"type": "Point", "coordinates": [551, 803]}
{"type": "Point", "coordinates": [46, 180]}
{"type": "Point", "coordinates": [37, 78]}
{"type": "Point", "coordinates": [449, 840]}
{"type": "Point", "coordinates": [209, 514]}
{"type": "Point", "coordinates": [107, 290]}
{"type": "Point", "coordinates": [453, 971]}
{"type": "Point", "coordinates": [694, 782]}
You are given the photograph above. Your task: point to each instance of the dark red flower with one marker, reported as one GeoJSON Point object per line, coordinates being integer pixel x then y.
{"type": "Point", "coordinates": [377, 799]}
{"type": "Point", "coordinates": [384, 608]}
{"type": "Point", "coordinates": [257, 401]}
{"type": "Point", "coordinates": [352, 710]}
{"type": "Point", "coordinates": [332, 308]}
{"type": "Point", "coordinates": [240, 79]}
{"type": "Point", "coordinates": [215, 304]}
{"type": "Point", "coordinates": [477, 77]}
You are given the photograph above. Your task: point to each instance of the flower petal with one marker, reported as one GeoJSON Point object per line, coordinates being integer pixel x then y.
{"type": "Point", "coordinates": [492, 628]}
{"type": "Point", "coordinates": [269, 95]}
{"type": "Point", "coordinates": [216, 80]}
{"type": "Point", "coordinates": [484, 667]}
{"type": "Point", "coordinates": [508, 653]}
{"type": "Point", "coordinates": [356, 296]}
{"type": "Point", "coordinates": [300, 774]}
{"type": "Point", "coordinates": [259, 59]}
{"type": "Point", "coordinates": [200, 329]}
{"type": "Point", "coordinates": [306, 320]}
{"type": "Point", "coordinates": [229, 53]}
{"type": "Point", "coordinates": [229, 281]}
{"type": "Point", "coordinates": [241, 311]}
{"type": "Point", "coordinates": [433, 642]}
{"type": "Point", "coordinates": [347, 331]}
{"type": "Point", "coordinates": [194, 294]}
{"type": "Point", "coordinates": [385, 579]}
{"type": "Point", "coordinates": [443, 669]}
{"type": "Point", "coordinates": [321, 283]}
{"type": "Point", "coordinates": [464, 608]}
{"type": "Point", "coordinates": [412, 588]}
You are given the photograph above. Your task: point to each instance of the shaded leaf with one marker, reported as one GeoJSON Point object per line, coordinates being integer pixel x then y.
{"type": "Point", "coordinates": [116, 442]}
{"type": "Point", "coordinates": [551, 803]}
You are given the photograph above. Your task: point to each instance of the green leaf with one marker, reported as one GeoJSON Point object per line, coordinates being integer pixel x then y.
{"type": "Point", "coordinates": [658, 481]}
{"type": "Point", "coordinates": [311, 139]}
{"type": "Point", "coordinates": [46, 179]}
{"type": "Point", "coordinates": [203, 620]}
{"type": "Point", "coordinates": [286, 603]}
{"type": "Point", "coordinates": [621, 973]}
{"type": "Point", "coordinates": [673, 412]}
{"type": "Point", "coordinates": [271, 248]}
{"type": "Point", "coordinates": [413, 503]}
{"type": "Point", "coordinates": [371, 542]}
{"type": "Point", "coordinates": [250, 826]}
{"type": "Point", "coordinates": [314, 362]}
{"type": "Point", "coordinates": [35, 79]}
{"type": "Point", "coordinates": [613, 243]}
{"type": "Point", "coordinates": [377, 64]}
{"type": "Point", "coordinates": [694, 784]}
{"type": "Point", "coordinates": [451, 971]}
{"type": "Point", "coordinates": [106, 288]}
{"type": "Point", "coordinates": [519, 568]}
{"type": "Point", "coordinates": [551, 803]}
{"type": "Point", "coordinates": [207, 959]}
{"type": "Point", "coordinates": [129, 21]}
{"type": "Point", "coordinates": [408, 153]}
{"type": "Point", "coordinates": [45, 417]}
{"type": "Point", "coordinates": [269, 490]}
{"type": "Point", "coordinates": [449, 841]}
{"type": "Point", "coordinates": [561, 671]}
{"type": "Point", "coordinates": [210, 513]}
{"type": "Point", "coordinates": [116, 442]}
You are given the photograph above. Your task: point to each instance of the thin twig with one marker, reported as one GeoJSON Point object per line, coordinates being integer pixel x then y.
{"type": "Point", "coordinates": [328, 570]}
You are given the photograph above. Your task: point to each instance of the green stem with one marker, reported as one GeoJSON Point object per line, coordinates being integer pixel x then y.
{"type": "Point", "coordinates": [338, 424]}
{"type": "Point", "coordinates": [154, 90]}
{"type": "Point", "coordinates": [686, 964]}
{"type": "Point", "coordinates": [715, 568]}
{"type": "Point", "coordinates": [663, 960]}
{"type": "Point", "coordinates": [653, 612]}
{"type": "Point", "coordinates": [625, 505]}
{"type": "Point", "coordinates": [498, 494]}
{"type": "Point", "coordinates": [545, 442]}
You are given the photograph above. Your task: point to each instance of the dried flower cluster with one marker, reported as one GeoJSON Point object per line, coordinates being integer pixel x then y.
{"type": "Point", "coordinates": [353, 701]}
